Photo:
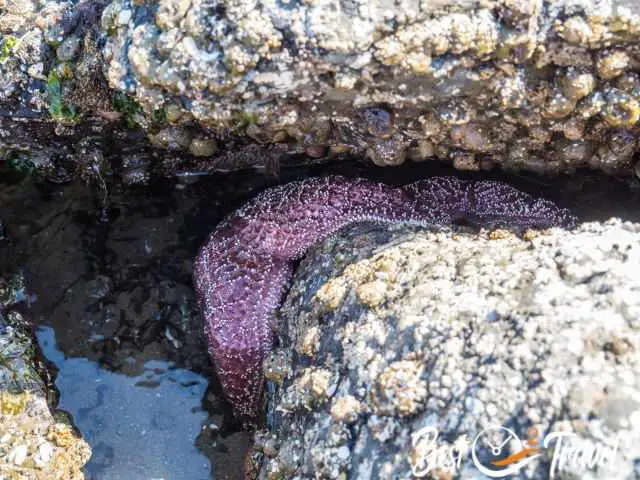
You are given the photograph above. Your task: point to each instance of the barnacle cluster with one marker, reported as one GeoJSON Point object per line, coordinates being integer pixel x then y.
{"type": "Point", "coordinates": [459, 345]}
{"type": "Point", "coordinates": [546, 87]}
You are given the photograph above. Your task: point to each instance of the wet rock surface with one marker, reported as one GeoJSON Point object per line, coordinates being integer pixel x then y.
{"type": "Point", "coordinates": [547, 87]}
{"type": "Point", "coordinates": [388, 331]}
{"type": "Point", "coordinates": [33, 443]}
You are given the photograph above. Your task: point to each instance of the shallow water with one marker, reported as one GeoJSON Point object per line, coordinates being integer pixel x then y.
{"type": "Point", "coordinates": [117, 312]}
{"type": "Point", "coordinates": [163, 400]}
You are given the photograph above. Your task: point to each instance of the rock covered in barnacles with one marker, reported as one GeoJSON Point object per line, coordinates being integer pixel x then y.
{"type": "Point", "coordinates": [475, 330]}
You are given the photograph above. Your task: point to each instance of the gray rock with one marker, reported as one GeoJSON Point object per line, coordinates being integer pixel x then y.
{"type": "Point", "coordinates": [521, 85]}
{"type": "Point", "coordinates": [394, 331]}
{"type": "Point", "coordinates": [383, 78]}
{"type": "Point", "coordinates": [32, 443]}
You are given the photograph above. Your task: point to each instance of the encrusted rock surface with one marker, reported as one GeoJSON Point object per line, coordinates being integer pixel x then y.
{"type": "Point", "coordinates": [385, 332]}
{"type": "Point", "coordinates": [33, 445]}
{"type": "Point", "coordinates": [524, 85]}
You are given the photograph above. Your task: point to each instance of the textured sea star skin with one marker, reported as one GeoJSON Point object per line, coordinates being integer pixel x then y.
{"type": "Point", "coordinates": [244, 269]}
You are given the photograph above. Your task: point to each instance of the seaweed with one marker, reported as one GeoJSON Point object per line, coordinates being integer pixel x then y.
{"type": "Point", "coordinates": [59, 110]}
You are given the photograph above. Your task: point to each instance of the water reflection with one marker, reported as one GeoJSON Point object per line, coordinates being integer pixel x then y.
{"type": "Point", "coordinates": [123, 417]}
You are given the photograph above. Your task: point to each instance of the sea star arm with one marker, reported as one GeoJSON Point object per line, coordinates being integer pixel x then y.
{"type": "Point", "coordinates": [238, 292]}
{"type": "Point", "coordinates": [490, 202]}
{"type": "Point", "coordinates": [286, 220]}
{"type": "Point", "coordinates": [487, 202]}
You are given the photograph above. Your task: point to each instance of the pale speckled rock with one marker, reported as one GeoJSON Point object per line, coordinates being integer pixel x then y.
{"type": "Point", "coordinates": [33, 445]}
{"type": "Point", "coordinates": [387, 79]}
{"type": "Point", "coordinates": [472, 330]}
{"type": "Point", "coordinates": [470, 83]}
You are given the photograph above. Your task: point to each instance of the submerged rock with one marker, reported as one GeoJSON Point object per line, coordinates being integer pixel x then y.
{"type": "Point", "coordinates": [33, 444]}
{"type": "Point", "coordinates": [396, 334]}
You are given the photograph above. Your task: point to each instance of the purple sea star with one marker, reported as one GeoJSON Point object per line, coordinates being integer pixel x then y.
{"type": "Point", "coordinates": [243, 270]}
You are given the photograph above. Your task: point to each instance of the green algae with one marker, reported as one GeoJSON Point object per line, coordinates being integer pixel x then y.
{"type": "Point", "coordinates": [129, 108]}
{"type": "Point", "coordinates": [59, 110]}
{"type": "Point", "coordinates": [18, 160]}
{"type": "Point", "coordinates": [8, 43]}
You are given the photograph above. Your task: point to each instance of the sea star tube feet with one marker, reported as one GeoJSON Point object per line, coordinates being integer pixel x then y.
{"type": "Point", "coordinates": [244, 269]}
